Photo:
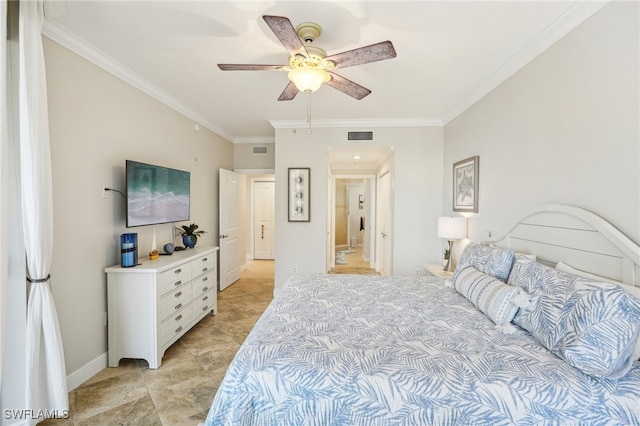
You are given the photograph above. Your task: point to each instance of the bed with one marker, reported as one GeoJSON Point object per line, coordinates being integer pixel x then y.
{"type": "Point", "coordinates": [487, 347]}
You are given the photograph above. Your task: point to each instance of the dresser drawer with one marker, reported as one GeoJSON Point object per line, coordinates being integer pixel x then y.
{"type": "Point", "coordinates": [175, 300]}
{"type": "Point", "coordinates": [203, 264]}
{"type": "Point", "coordinates": [206, 302]}
{"type": "Point", "coordinates": [169, 280]}
{"type": "Point", "coordinates": [176, 324]}
{"type": "Point", "coordinates": [204, 283]}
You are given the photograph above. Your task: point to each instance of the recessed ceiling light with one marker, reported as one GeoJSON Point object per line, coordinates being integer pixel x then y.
{"type": "Point", "coordinates": [356, 157]}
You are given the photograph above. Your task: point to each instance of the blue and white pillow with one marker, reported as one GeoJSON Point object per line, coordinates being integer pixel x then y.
{"type": "Point", "coordinates": [490, 295]}
{"type": "Point", "coordinates": [593, 326]}
{"type": "Point", "coordinates": [493, 261]}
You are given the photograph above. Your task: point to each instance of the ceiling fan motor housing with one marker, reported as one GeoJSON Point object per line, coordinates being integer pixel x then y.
{"type": "Point", "coordinates": [308, 31]}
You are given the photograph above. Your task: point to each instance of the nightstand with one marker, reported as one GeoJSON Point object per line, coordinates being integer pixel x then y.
{"type": "Point", "coordinates": [436, 270]}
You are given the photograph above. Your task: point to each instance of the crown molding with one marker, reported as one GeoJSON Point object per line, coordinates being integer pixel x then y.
{"type": "Point", "coordinates": [255, 171]}
{"type": "Point", "coordinates": [357, 123]}
{"type": "Point", "coordinates": [573, 17]}
{"type": "Point", "coordinates": [255, 139]}
{"type": "Point", "coordinates": [89, 52]}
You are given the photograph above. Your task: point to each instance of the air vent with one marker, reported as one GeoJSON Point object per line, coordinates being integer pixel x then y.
{"type": "Point", "coordinates": [359, 136]}
{"type": "Point", "coordinates": [260, 150]}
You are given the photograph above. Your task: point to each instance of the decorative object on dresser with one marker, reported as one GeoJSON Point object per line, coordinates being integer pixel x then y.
{"type": "Point", "coordinates": [168, 248]}
{"type": "Point", "coordinates": [299, 194]}
{"type": "Point", "coordinates": [154, 254]}
{"type": "Point", "coordinates": [465, 185]}
{"type": "Point", "coordinates": [451, 228]}
{"type": "Point", "coordinates": [129, 250]}
{"type": "Point", "coordinates": [190, 234]}
{"type": "Point", "coordinates": [153, 305]}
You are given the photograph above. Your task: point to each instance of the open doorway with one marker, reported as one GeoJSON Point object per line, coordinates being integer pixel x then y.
{"type": "Point", "coordinates": [353, 245]}
{"type": "Point", "coordinates": [352, 223]}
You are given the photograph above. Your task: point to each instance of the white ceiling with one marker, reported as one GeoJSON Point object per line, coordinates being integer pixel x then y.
{"type": "Point", "coordinates": [449, 54]}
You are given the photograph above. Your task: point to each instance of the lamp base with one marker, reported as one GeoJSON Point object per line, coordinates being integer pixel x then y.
{"type": "Point", "coordinates": [449, 266]}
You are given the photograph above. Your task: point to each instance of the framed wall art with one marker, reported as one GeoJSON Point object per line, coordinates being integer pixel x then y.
{"type": "Point", "coordinates": [465, 185]}
{"type": "Point", "coordinates": [299, 194]}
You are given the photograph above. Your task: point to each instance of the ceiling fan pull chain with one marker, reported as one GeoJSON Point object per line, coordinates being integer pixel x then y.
{"type": "Point", "coordinates": [309, 111]}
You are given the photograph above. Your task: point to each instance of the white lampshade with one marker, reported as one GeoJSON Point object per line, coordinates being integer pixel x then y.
{"type": "Point", "coordinates": [452, 228]}
{"type": "Point", "coordinates": [308, 79]}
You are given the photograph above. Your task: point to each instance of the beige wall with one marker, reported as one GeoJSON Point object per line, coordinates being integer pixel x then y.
{"type": "Point", "coordinates": [564, 129]}
{"type": "Point", "coordinates": [97, 121]}
{"type": "Point", "coordinates": [417, 201]}
{"type": "Point", "coordinates": [243, 157]}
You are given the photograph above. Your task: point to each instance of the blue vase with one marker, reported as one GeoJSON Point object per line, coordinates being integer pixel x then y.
{"type": "Point", "coordinates": [189, 240]}
{"type": "Point", "coordinates": [128, 250]}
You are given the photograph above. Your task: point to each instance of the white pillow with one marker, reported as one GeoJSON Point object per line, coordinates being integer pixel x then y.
{"type": "Point", "coordinates": [634, 291]}
{"type": "Point", "coordinates": [492, 296]}
{"type": "Point", "coordinates": [561, 266]}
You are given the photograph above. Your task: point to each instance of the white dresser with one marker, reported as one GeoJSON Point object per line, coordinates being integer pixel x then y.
{"type": "Point", "coordinates": [151, 305]}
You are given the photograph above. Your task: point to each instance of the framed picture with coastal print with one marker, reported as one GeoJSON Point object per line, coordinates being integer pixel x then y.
{"type": "Point", "coordinates": [465, 185]}
{"type": "Point", "coordinates": [299, 194]}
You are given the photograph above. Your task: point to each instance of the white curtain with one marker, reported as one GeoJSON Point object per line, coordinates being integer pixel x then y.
{"type": "Point", "coordinates": [46, 386]}
{"type": "Point", "coordinates": [4, 143]}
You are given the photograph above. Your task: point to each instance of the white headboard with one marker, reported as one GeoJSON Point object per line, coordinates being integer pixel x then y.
{"type": "Point", "coordinates": [563, 233]}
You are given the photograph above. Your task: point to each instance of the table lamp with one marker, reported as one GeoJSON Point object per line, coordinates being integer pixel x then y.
{"type": "Point", "coordinates": [451, 228]}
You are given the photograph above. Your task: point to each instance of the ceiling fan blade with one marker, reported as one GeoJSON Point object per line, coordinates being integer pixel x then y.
{"type": "Point", "coordinates": [347, 86]}
{"type": "Point", "coordinates": [289, 92]}
{"type": "Point", "coordinates": [283, 29]}
{"type": "Point", "coordinates": [363, 55]}
{"type": "Point", "coordinates": [250, 67]}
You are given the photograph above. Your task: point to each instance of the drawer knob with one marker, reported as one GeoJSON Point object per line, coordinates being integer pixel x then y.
{"type": "Point", "coordinates": [205, 279]}
{"type": "Point", "coordinates": [205, 259]}
{"type": "Point", "coordinates": [205, 308]}
{"type": "Point", "coordinates": [178, 294]}
{"type": "Point", "coordinates": [205, 289]}
{"type": "Point", "coordinates": [205, 298]}
{"type": "Point", "coordinates": [179, 317]}
{"type": "Point", "coordinates": [205, 269]}
{"type": "Point", "coordinates": [177, 271]}
{"type": "Point", "coordinates": [178, 306]}
{"type": "Point", "coordinates": [179, 329]}
{"type": "Point", "coordinates": [177, 283]}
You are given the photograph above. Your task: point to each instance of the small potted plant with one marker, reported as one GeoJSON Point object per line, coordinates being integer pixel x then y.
{"type": "Point", "coordinates": [445, 260]}
{"type": "Point", "coordinates": [190, 234]}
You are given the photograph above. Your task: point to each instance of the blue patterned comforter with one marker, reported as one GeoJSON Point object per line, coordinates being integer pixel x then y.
{"type": "Point", "coordinates": [363, 350]}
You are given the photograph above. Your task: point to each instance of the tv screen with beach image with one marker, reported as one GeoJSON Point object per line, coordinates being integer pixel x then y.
{"type": "Point", "coordinates": [156, 194]}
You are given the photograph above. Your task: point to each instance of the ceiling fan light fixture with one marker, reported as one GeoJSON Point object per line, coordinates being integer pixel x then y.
{"type": "Point", "coordinates": [308, 79]}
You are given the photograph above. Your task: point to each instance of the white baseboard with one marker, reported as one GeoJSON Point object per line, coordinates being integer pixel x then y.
{"type": "Point", "coordinates": [87, 371]}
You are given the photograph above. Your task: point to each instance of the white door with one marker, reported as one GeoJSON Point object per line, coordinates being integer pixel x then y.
{"type": "Point", "coordinates": [264, 221]}
{"type": "Point", "coordinates": [383, 237]}
{"type": "Point", "coordinates": [230, 261]}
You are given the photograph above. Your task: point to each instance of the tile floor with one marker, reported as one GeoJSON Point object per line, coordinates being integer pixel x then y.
{"type": "Point", "coordinates": [181, 390]}
{"type": "Point", "coordinates": [355, 265]}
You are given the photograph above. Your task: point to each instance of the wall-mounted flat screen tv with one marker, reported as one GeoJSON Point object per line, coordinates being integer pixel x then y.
{"type": "Point", "coordinates": [156, 194]}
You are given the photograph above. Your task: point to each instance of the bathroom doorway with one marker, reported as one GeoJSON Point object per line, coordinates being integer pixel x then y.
{"type": "Point", "coordinates": [353, 206]}
{"type": "Point", "coordinates": [353, 218]}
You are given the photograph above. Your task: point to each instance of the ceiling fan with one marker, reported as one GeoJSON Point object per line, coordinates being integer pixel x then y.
{"type": "Point", "coordinates": [309, 66]}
